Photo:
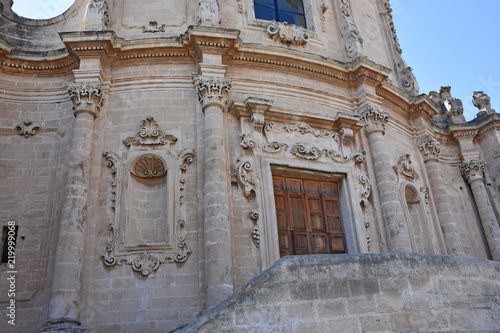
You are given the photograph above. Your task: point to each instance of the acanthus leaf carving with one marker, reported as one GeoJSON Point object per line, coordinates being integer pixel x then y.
{"type": "Point", "coordinates": [86, 97]}
{"type": "Point", "coordinates": [374, 118]}
{"type": "Point", "coordinates": [288, 34]}
{"type": "Point", "coordinates": [254, 215]}
{"type": "Point", "coordinates": [150, 134]}
{"type": "Point", "coordinates": [405, 167]}
{"type": "Point", "coordinates": [246, 177]}
{"type": "Point", "coordinates": [212, 91]}
{"type": "Point", "coordinates": [187, 157]}
{"type": "Point", "coordinates": [473, 170]}
{"type": "Point", "coordinates": [27, 128]}
{"type": "Point", "coordinates": [365, 189]}
{"type": "Point", "coordinates": [429, 147]}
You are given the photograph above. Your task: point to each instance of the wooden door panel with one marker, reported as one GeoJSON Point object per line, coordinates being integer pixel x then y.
{"type": "Point", "coordinates": [308, 214]}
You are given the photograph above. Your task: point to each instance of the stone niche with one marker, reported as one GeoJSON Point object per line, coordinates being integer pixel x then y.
{"type": "Point", "coordinates": [147, 195]}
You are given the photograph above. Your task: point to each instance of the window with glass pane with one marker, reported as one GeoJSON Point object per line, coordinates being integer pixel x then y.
{"type": "Point", "coordinates": [291, 11]}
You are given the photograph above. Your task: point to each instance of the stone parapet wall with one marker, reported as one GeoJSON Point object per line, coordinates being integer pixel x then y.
{"type": "Point", "coordinates": [363, 293]}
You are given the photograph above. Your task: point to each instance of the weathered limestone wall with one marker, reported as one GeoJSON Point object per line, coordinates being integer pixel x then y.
{"type": "Point", "coordinates": [365, 292]}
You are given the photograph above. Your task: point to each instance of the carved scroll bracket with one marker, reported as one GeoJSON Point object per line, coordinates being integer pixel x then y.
{"type": "Point", "coordinates": [186, 157]}
{"type": "Point", "coordinates": [246, 176]}
{"type": "Point", "coordinates": [365, 189]}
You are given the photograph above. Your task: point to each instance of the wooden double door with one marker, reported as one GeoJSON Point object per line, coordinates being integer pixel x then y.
{"type": "Point", "coordinates": [308, 214]}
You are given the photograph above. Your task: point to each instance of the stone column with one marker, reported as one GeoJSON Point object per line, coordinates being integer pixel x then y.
{"type": "Point", "coordinates": [430, 149]}
{"type": "Point", "coordinates": [66, 282]}
{"type": "Point", "coordinates": [472, 171]}
{"type": "Point", "coordinates": [396, 229]}
{"type": "Point", "coordinates": [212, 94]}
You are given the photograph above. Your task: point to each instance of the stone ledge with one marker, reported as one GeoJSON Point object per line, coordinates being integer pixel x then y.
{"type": "Point", "coordinates": [386, 291]}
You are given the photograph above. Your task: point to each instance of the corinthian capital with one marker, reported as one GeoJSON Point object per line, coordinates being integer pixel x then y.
{"type": "Point", "coordinates": [430, 148]}
{"type": "Point", "coordinates": [374, 118]}
{"type": "Point", "coordinates": [212, 91]}
{"type": "Point", "coordinates": [86, 97]}
{"type": "Point", "coordinates": [472, 170]}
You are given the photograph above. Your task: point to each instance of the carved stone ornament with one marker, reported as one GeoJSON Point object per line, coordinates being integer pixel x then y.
{"type": "Point", "coordinates": [451, 109]}
{"type": "Point", "coordinates": [473, 170]}
{"type": "Point", "coordinates": [97, 16]}
{"type": "Point", "coordinates": [354, 44]}
{"type": "Point", "coordinates": [365, 189]}
{"type": "Point", "coordinates": [86, 97]}
{"type": "Point", "coordinates": [303, 141]}
{"type": "Point", "coordinates": [430, 147]}
{"type": "Point", "coordinates": [186, 157]}
{"type": "Point", "coordinates": [27, 128]}
{"type": "Point", "coordinates": [245, 176]}
{"type": "Point", "coordinates": [254, 215]}
{"type": "Point", "coordinates": [208, 13]}
{"type": "Point", "coordinates": [150, 134]}
{"type": "Point", "coordinates": [374, 118]}
{"type": "Point", "coordinates": [240, 6]}
{"type": "Point", "coordinates": [404, 167]}
{"type": "Point", "coordinates": [483, 103]}
{"type": "Point", "coordinates": [145, 262]}
{"type": "Point", "coordinates": [322, 9]}
{"type": "Point", "coordinates": [288, 34]}
{"type": "Point", "coordinates": [148, 166]}
{"type": "Point", "coordinates": [112, 163]}
{"type": "Point", "coordinates": [305, 151]}
{"type": "Point", "coordinates": [425, 191]}
{"type": "Point", "coordinates": [212, 91]}
{"type": "Point", "coordinates": [153, 27]}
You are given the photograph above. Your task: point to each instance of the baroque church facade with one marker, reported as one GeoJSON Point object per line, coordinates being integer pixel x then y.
{"type": "Point", "coordinates": [158, 158]}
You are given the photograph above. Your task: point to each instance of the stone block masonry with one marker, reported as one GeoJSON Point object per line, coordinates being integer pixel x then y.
{"type": "Point", "coordinates": [383, 292]}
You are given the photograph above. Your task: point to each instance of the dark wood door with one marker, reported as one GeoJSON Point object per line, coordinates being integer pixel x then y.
{"type": "Point", "coordinates": [308, 214]}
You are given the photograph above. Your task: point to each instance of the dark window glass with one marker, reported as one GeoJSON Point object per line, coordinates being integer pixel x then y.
{"type": "Point", "coordinates": [291, 11]}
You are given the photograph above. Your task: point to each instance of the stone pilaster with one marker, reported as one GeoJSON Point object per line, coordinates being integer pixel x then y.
{"type": "Point", "coordinates": [472, 171]}
{"type": "Point", "coordinates": [213, 93]}
{"type": "Point", "coordinates": [398, 238]}
{"type": "Point", "coordinates": [65, 297]}
{"type": "Point", "coordinates": [430, 149]}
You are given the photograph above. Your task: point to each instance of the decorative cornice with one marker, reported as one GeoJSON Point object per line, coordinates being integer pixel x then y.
{"type": "Point", "coordinates": [212, 91]}
{"type": "Point", "coordinates": [150, 134]}
{"type": "Point", "coordinates": [86, 97]}
{"type": "Point", "coordinates": [430, 148]}
{"type": "Point", "coordinates": [473, 170]}
{"type": "Point", "coordinates": [374, 118]}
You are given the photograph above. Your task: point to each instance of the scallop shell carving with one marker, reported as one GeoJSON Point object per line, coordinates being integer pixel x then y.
{"type": "Point", "coordinates": [149, 166]}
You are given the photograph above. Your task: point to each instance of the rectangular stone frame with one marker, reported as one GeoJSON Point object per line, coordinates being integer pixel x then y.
{"type": "Point", "coordinates": [353, 228]}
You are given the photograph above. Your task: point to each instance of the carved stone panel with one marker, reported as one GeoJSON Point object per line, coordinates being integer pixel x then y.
{"type": "Point", "coordinates": [405, 168]}
{"type": "Point", "coordinates": [168, 15]}
{"type": "Point", "coordinates": [147, 191]}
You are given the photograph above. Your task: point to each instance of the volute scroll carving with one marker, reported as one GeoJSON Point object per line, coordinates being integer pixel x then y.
{"type": "Point", "coordinates": [473, 170]}
{"type": "Point", "coordinates": [150, 134]}
{"type": "Point", "coordinates": [27, 128]}
{"type": "Point", "coordinates": [187, 157]}
{"type": "Point", "coordinates": [86, 97]}
{"type": "Point", "coordinates": [212, 91]}
{"type": "Point", "coordinates": [289, 34]}
{"type": "Point", "coordinates": [246, 177]}
{"type": "Point", "coordinates": [430, 147]}
{"type": "Point", "coordinates": [365, 189]}
{"type": "Point", "coordinates": [374, 118]}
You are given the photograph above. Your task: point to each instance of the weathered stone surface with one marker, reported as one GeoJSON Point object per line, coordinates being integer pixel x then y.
{"type": "Point", "coordinates": [428, 300]}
